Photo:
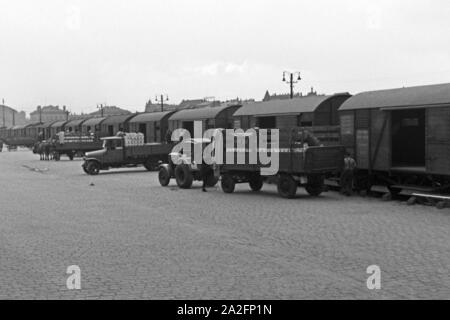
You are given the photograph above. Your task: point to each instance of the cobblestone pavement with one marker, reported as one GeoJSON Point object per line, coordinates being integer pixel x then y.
{"type": "Point", "coordinates": [136, 240]}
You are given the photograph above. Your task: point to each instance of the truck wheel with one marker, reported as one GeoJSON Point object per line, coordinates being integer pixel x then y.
{"type": "Point", "coordinates": [163, 177]}
{"type": "Point", "coordinates": [183, 176]}
{"type": "Point", "coordinates": [287, 186]}
{"type": "Point", "coordinates": [315, 185]}
{"type": "Point", "coordinates": [211, 180]}
{"type": "Point", "coordinates": [227, 183]}
{"type": "Point", "coordinates": [256, 183]}
{"type": "Point", "coordinates": [92, 168]}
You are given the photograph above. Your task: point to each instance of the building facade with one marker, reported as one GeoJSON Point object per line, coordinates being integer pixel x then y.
{"type": "Point", "coordinates": [49, 114]}
{"type": "Point", "coordinates": [10, 117]}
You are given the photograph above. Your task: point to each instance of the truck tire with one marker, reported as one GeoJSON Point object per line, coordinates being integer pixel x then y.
{"type": "Point", "coordinates": [256, 183]}
{"type": "Point", "coordinates": [184, 177]}
{"type": "Point", "coordinates": [227, 183]}
{"type": "Point", "coordinates": [163, 177]}
{"type": "Point", "coordinates": [92, 168]}
{"type": "Point", "coordinates": [287, 186]}
{"type": "Point", "coordinates": [211, 180]}
{"type": "Point", "coordinates": [315, 185]}
{"type": "Point", "coordinates": [84, 168]}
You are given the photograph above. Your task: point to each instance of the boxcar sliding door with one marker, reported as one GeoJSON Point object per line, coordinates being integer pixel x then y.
{"type": "Point", "coordinates": [438, 140]}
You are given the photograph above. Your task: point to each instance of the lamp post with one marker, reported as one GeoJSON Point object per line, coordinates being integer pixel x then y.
{"type": "Point", "coordinates": [161, 99]}
{"type": "Point", "coordinates": [291, 80]}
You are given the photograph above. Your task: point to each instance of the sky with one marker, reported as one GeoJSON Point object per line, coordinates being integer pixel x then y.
{"type": "Point", "coordinates": [81, 53]}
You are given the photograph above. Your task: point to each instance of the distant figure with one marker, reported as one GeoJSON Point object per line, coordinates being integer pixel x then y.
{"type": "Point", "coordinates": [348, 175]}
{"type": "Point", "coordinates": [168, 136]}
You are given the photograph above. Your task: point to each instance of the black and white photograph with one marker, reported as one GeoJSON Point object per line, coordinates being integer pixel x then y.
{"type": "Point", "coordinates": [224, 155]}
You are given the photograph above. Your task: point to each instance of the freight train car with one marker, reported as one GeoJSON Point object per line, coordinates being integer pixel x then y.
{"type": "Point", "coordinates": [153, 125]}
{"type": "Point", "coordinates": [400, 137]}
{"type": "Point", "coordinates": [211, 117]}
{"type": "Point", "coordinates": [316, 113]}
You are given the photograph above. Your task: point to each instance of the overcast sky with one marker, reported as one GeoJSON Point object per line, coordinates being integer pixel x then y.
{"type": "Point", "coordinates": [80, 53]}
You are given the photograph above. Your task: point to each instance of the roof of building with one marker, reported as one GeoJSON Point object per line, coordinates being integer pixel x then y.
{"type": "Point", "coordinates": [93, 121]}
{"type": "Point", "coordinates": [190, 103]}
{"type": "Point", "coordinates": [431, 95]}
{"type": "Point", "coordinates": [150, 116]}
{"type": "Point", "coordinates": [117, 119]}
{"type": "Point", "coordinates": [291, 106]}
{"type": "Point", "coordinates": [49, 109]}
{"type": "Point", "coordinates": [110, 111]}
{"type": "Point", "coordinates": [199, 113]}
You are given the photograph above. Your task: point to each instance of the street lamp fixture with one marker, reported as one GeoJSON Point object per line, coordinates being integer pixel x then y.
{"type": "Point", "coordinates": [291, 81]}
{"type": "Point", "coordinates": [161, 100]}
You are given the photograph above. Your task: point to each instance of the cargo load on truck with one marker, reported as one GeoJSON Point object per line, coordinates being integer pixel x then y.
{"type": "Point", "coordinates": [72, 144]}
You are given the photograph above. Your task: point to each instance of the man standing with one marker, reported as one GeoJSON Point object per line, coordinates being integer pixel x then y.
{"type": "Point", "coordinates": [348, 174]}
{"type": "Point", "coordinates": [205, 170]}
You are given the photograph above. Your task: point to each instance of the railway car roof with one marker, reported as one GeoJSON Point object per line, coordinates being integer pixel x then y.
{"type": "Point", "coordinates": [150, 116]}
{"type": "Point", "coordinates": [57, 124]}
{"type": "Point", "coordinates": [75, 122]}
{"type": "Point", "coordinates": [117, 119]}
{"type": "Point", "coordinates": [288, 106]}
{"type": "Point", "coordinates": [33, 125]}
{"type": "Point", "coordinates": [47, 124]}
{"type": "Point", "coordinates": [420, 96]}
{"type": "Point", "coordinates": [93, 121]}
{"type": "Point", "coordinates": [22, 126]}
{"type": "Point", "coordinates": [200, 113]}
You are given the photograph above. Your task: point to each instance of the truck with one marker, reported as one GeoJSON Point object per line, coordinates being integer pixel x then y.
{"type": "Point", "coordinates": [74, 145]}
{"type": "Point", "coordinates": [184, 169]}
{"type": "Point", "coordinates": [303, 162]}
{"type": "Point", "coordinates": [127, 150]}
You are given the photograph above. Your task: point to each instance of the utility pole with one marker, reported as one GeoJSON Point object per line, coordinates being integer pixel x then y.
{"type": "Point", "coordinates": [291, 80]}
{"type": "Point", "coordinates": [161, 100]}
{"type": "Point", "coordinates": [40, 114]}
{"type": "Point", "coordinates": [101, 107]}
{"type": "Point", "coordinates": [3, 110]}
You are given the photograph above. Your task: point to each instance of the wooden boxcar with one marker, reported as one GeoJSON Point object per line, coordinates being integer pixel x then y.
{"type": "Point", "coordinates": [44, 130]}
{"type": "Point", "coordinates": [153, 125]}
{"type": "Point", "coordinates": [211, 117]}
{"type": "Point", "coordinates": [113, 124]}
{"type": "Point", "coordinates": [317, 113]}
{"type": "Point", "coordinates": [400, 137]}
{"type": "Point", "coordinates": [57, 127]}
{"type": "Point", "coordinates": [74, 126]}
{"type": "Point", "coordinates": [92, 125]}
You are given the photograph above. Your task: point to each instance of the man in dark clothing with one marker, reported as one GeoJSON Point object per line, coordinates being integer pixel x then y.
{"type": "Point", "coordinates": [348, 175]}
{"type": "Point", "coordinates": [205, 170]}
